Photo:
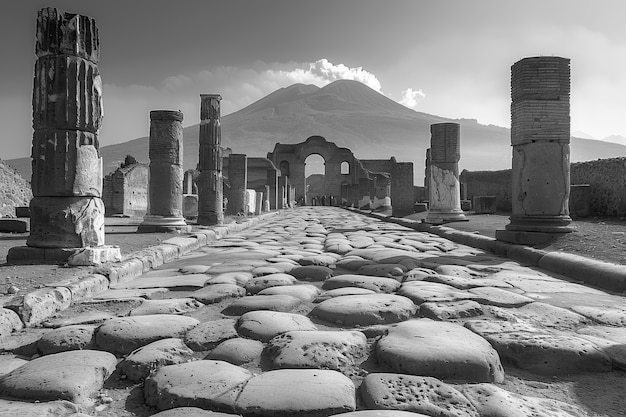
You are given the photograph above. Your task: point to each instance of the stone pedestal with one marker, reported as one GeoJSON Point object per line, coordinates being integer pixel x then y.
{"type": "Point", "coordinates": [165, 197]}
{"type": "Point", "coordinates": [238, 179]}
{"type": "Point", "coordinates": [540, 136]}
{"type": "Point", "coordinates": [210, 182]}
{"type": "Point", "coordinates": [67, 213]}
{"type": "Point", "coordinates": [444, 186]}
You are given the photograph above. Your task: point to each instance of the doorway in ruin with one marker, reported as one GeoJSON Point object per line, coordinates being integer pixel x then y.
{"type": "Point", "coordinates": [314, 179]}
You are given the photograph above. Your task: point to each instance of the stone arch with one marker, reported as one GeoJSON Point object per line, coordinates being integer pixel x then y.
{"type": "Point", "coordinates": [284, 168]}
{"type": "Point", "coordinates": [345, 168]}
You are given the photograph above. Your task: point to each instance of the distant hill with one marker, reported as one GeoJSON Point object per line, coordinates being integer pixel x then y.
{"type": "Point", "coordinates": [354, 116]}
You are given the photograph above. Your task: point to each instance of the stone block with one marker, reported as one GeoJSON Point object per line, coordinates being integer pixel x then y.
{"type": "Point", "coordinates": [466, 205]}
{"type": "Point", "coordinates": [484, 204]}
{"type": "Point", "coordinates": [580, 200]}
{"type": "Point", "coordinates": [95, 255]}
{"type": "Point", "coordinates": [190, 206]}
{"type": "Point", "coordinates": [420, 207]}
{"type": "Point", "coordinates": [84, 287]}
{"type": "Point", "coordinates": [66, 163]}
{"type": "Point", "coordinates": [13, 226]}
{"type": "Point", "coordinates": [123, 271]}
{"type": "Point", "coordinates": [35, 307]}
{"type": "Point", "coordinates": [22, 211]}
{"type": "Point", "coordinates": [66, 222]}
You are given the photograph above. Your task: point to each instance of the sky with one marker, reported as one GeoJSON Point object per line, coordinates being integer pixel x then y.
{"type": "Point", "coordinates": [449, 58]}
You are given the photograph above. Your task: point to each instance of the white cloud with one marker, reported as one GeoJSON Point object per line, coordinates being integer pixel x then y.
{"type": "Point", "coordinates": [411, 98]}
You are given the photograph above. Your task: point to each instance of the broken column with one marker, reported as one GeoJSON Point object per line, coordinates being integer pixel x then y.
{"type": "Point", "coordinates": [283, 184]}
{"type": "Point", "coordinates": [238, 179]}
{"type": "Point", "coordinates": [210, 181]}
{"type": "Point", "coordinates": [165, 194]}
{"type": "Point", "coordinates": [540, 136]}
{"type": "Point", "coordinates": [444, 187]}
{"type": "Point", "coordinates": [67, 212]}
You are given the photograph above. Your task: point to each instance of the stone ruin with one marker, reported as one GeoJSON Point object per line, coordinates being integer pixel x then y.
{"type": "Point", "coordinates": [125, 191]}
{"type": "Point", "coordinates": [67, 212]}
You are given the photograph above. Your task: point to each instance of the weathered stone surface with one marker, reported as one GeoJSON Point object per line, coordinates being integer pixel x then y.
{"type": "Point", "coordinates": [167, 306]}
{"type": "Point", "coordinates": [217, 292]}
{"type": "Point", "coordinates": [75, 337]}
{"type": "Point", "coordinates": [122, 335]}
{"type": "Point", "coordinates": [304, 392]}
{"type": "Point", "coordinates": [325, 259]}
{"type": "Point", "coordinates": [38, 305]}
{"type": "Point", "coordinates": [304, 292]}
{"type": "Point", "coordinates": [191, 412]}
{"type": "Point", "coordinates": [9, 322]}
{"type": "Point", "coordinates": [381, 413]}
{"type": "Point", "coordinates": [257, 284]}
{"type": "Point", "coordinates": [315, 273]}
{"type": "Point", "coordinates": [193, 269]}
{"type": "Point", "coordinates": [141, 362]}
{"type": "Point", "coordinates": [129, 293]}
{"type": "Point", "coordinates": [493, 401]}
{"type": "Point", "coordinates": [377, 284]}
{"type": "Point", "coordinates": [84, 287]}
{"type": "Point", "coordinates": [274, 268]}
{"type": "Point", "coordinates": [415, 393]}
{"type": "Point", "coordinates": [191, 281]}
{"type": "Point", "coordinates": [234, 277]}
{"type": "Point", "coordinates": [264, 325]}
{"type": "Point", "coordinates": [450, 310]}
{"type": "Point", "coordinates": [340, 292]}
{"type": "Point", "coordinates": [47, 409]}
{"type": "Point", "coordinates": [421, 292]}
{"type": "Point", "coordinates": [395, 271]}
{"type": "Point", "coordinates": [73, 376]}
{"type": "Point", "coordinates": [237, 351]}
{"type": "Point", "coordinates": [341, 351]}
{"type": "Point", "coordinates": [613, 316]}
{"type": "Point", "coordinates": [277, 302]}
{"type": "Point", "coordinates": [499, 297]}
{"type": "Point", "coordinates": [362, 310]}
{"type": "Point", "coordinates": [439, 353]}
{"type": "Point", "coordinates": [9, 362]}
{"type": "Point", "coordinates": [542, 315]}
{"type": "Point", "coordinates": [465, 283]}
{"type": "Point", "coordinates": [209, 334]}
{"type": "Point", "coordinates": [66, 222]}
{"type": "Point", "coordinates": [457, 271]}
{"type": "Point", "coordinates": [206, 384]}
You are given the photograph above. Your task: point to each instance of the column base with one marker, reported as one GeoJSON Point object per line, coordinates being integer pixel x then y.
{"type": "Point", "coordinates": [211, 219]}
{"type": "Point", "coordinates": [440, 217]}
{"type": "Point", "coordinates": [542, 224]}
{"type": "Point", "coordinates": [89, 256]}
{"type": "Point", "coordinates": [527, 238]}
{"type": "Point", "coordinates": [156, 224]}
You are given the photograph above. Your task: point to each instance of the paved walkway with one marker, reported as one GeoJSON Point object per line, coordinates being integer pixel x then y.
{"type": "Point", "coordinates": [320, 311]}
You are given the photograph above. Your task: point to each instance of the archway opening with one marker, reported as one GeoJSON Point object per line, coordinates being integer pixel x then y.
{"type": "Point", "coordinates": [314, 171]}
{"type": "Point", "coordinates": [345, 168]}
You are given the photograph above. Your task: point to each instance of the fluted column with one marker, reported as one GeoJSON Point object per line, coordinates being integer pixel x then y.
{"type": "Point", "coordinates": [210, 181]}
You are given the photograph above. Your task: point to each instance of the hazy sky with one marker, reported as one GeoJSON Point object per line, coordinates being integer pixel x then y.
{"type": "Point", "coordinates": [450, 58]}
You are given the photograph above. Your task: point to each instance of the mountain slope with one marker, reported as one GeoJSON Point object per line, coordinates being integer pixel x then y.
{"type": "Point", "coordinates": [354, 116]}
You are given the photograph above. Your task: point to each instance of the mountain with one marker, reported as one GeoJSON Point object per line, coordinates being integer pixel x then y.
{"type": "Point", "coordinates": [615, 139]}
{"type": "Point", "coordinates": [354, 116]}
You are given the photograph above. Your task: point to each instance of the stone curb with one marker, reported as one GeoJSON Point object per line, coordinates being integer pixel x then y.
{"type": "Point", "coordinates": [36, 306]}
{"type": "Point", "coordinates": [596, 273]}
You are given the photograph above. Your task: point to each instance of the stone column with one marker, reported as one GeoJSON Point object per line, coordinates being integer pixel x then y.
{"type": "Point", "coordinates": [67, 212]}
{"type": "Point", "coordinates": [540, 136]}
{"type": "Point", "coordinates": [427, 175]}
{"type": "Point", "coordinates": [402, 189]}
{"type": "Point", "coordinates": [188, 182]}
{"type": "Point", "coordinates": [238, 179]}
{"type": "Point", "coordinates": [259, 203]}
{"type": "Point", "coordinates": [283, 185]}
{"type": "Point", "coordinates": [444, 187]}
{"type": "Point", "coordinates": [210, 181]}
{"type": "Point", "coordinates": [266, 202]}
{"type": "Point", "coordinates": [272, 182]}
{"type": "Point", "coordinates": [165, 187]}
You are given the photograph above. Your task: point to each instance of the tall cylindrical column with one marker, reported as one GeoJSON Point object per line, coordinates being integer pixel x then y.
{"type": "Point", "coordinates": [444, 186]}
{"type": "Point", "coordinates": [540, 136]}
{"type": "Point", "coordinates": [210, 181]}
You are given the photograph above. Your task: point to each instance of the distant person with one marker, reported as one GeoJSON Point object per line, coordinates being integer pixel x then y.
{"type": "Point", "coordinates": [323, 200]}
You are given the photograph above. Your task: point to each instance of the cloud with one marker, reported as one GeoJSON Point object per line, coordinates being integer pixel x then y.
{"type": "Point", "coordinates": [411, 98]}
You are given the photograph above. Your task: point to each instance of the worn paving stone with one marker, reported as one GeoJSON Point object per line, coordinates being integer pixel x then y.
{"type": "Point", "coordinates": [9, 322]}
{"type": "Point", "coordinates": [66, 338]}
{"type": "Point", "coordinates": [341, 351]}
{"type": "Point", "coordinates": [315, 273]}
{"type": "Point", "coordinates": [457, 270]}
{"type": "Point", "coordinates": [191, 412]}
{"type": "Point", "coordinates": [122, 335]}
{"type": "Point", "coordinates": [194, 269]}
{"type": "Point", "coordinates": [304, 392]}
{"type": "Point", "coordinates": [465, 283]}
{"type": "Point", "coordinates": [206, 384]}
{"type": "Point", "coordinates": [381, 413]}
{"type": "Point", "coordinates": [340, 292]}
{"type": "Point", "coordinates": [141, 362]}
{"type": "Point", "coordinates": [167, 306]}
{"type": "Point", "coordinates": [353, 263]}
{"type": "Point", "coordinates": [363, 310]}
{"type": "Point", "coordinates": [10, 408]}
{"type": "Point", "coordinates": [439, 353]}
{"type": "Point", "coordinates": [9, 362]}
{"type": "Point", "coordinates": [418, 394]}
{"type": "Point", "coordinates": [450, 310]}
{"type": "Point", "coordinates": [38, 305]}
{"type": "Point", "coordinates": [209, 334]}
{"type": "Point", "coordinates": [257, 284]}
{"type": "Point", "coordinates": [542, 315]}
{"type": "Point", "coordinates": [237, 351]}
{"type": "Point", "coordinates": [189, 281]}
{"type": "Point", "coordinates": [74, 376]}
{"type": "Point", "coordinates": [422, 292]}
{"type": "Point", "coordinates": [234, 278]}
{"type": "Point", "coordinates": [395, 271]}
{"type": "Point", "coordinates": [325, 259]}
{"type": "Point", "coordinates": [613, 316]}
{"type": "Point", "coordinates": [279, 302]}
{"type": "Point", "coordinates": [493, 401]}
{"type": "Point", "coordinates": [499, 297]}
{"type": "Point", "coordinates": [87, 317]}
{"type": "Point", "coordinates": [264, 325]}
{"type": "Point", "coordinates": [377, 284]}
{"type": "Point", "coordinates": [215, 293]}
{"type": "Point", "coordinates": [114, 294]}
{"type": "Point", "coordinates": [304, 292]}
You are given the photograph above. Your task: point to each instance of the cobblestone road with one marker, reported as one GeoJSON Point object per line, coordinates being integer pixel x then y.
{"type": "Point", "coordinates": [320, 311]}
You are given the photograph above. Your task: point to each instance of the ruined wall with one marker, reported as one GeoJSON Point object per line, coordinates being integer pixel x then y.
{"type": "Point", "coordinates": [125, 191]}
{"type": "Point", "coordinates": [607, 178]}
{"type": "Point", "coordinates": [495, 183]}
